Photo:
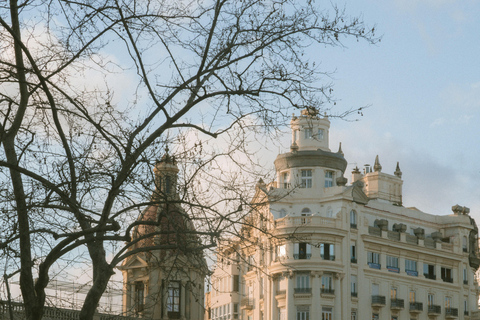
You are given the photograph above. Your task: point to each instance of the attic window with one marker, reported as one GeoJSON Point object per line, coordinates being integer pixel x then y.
{"type": "Point", "coordinates": [308, 133]}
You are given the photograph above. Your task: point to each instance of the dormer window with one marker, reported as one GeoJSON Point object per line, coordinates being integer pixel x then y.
{"type": "Point", "coordinates": [306, 181]}
{"type": "Point", "coordinates": [308, 133]}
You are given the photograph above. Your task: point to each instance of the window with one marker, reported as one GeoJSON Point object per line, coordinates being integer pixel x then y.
{"type": "Point", "coordinates": [353, 285]}
{"type": "Point", "coordinates": [327, 251]}
{"type": "Point", "coordinates": [353, 219]}
{"type": "Point", "coordinates": [392, 264]}
{"type": "Point", "coordinates": [327, 313]}
{"type": "Point", "coordinates": [429, 271]}
{"type": "Point", "coordinates": [303, 283]}
{"type": "Point", "coordinates": [286, 180]}
{"type": "Point", "coordinates": [303, 313]}
{"type": "Point", "coordinates": [465, 307]}
{"type": "Point", "coordinates": [173, 299]}
{"type": "Point", "coordinates": [464, 244]}
{"type": "Point", "coordinates": [329, 179]}
{"type": "Point", "coordinates": [139, 296]}
{"type": "Point", "coordinates": [354, 315]}
{"type": "Point", "coordinates": [373, 259]}
{"type": "Point", "coordinates": [431, 300]}
{"type": "Point", "coordinates": [394, 318]}
{"type": "Point", "coordinates": [302, 251]}
{"type": "Point", "coordinates": [308, 133]}
{"type": "Point", "coordinates": [353, 252]}
{"type": "Point", "coordinates": [393, 293]}
{"type": "Point", "coordinates": [280, 251]}
{"type": "Point", "coordinates": [412, 296]}
{"type": "Point", "coordinates": [446, 274]}
{"type": "Point", "coordinates": [375, 316]}
{"type": "Point", "coordinates": [411, 267]}
{"type": "Point", "coordinates": [465, 276]}
{"type": "Point", "coordinates": [306, 178]}
{"type": "Point", "coordinates": [320, 134]}
{"type": "Point", "coordinates": [235, 311]}
{"type": "Point", "coordinates": [448, 302]}
{"type": "Point", "coordinates": [236, 283]}
{"type": "Point", "coordinates": [327, 286]}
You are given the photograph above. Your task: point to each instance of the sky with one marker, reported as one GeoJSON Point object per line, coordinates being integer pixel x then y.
{"type": "Point", "coordinates": [421, 84]}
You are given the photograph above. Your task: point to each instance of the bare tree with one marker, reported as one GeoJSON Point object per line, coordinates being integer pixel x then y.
{"type": "Point", "coordinates": [91, 91]}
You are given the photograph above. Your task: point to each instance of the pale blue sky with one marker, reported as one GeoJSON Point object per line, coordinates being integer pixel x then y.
{"type": "Point", "coordinates": [423, 84]}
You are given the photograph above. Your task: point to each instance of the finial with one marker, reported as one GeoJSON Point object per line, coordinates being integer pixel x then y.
{"type": "Point", "coordinates": [356, 170]}
{"type": "Point", "coordinates": [294, 147]}
{"type": "Point", "coordinates": [377, 167]}
{"type": "Point", "coordinates": [340, 149]}
{"type": "Point", "coordinates": [398, 172]}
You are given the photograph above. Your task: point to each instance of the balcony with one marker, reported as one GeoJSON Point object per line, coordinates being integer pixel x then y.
{"type": "Point", "coordinates": [247, 303]}
{"type": "Point", "coordinates": [451, 313]}
{"type": "Point", "coordinates": [450, 280]}
{"type": "Point", "coordinates": [353, 260]}
{"type": "Point", "coordinates": [302, 290]}
{"type": "Point", "coordinates": [430, 276]}
{"type": "Point", "coordinates": [434, 310]}
{"type": "Point", "coordinates": [375, 265]}
{"type": "Point", "coordinates": [327, 291]}
{"type": "Point", "coordinates": [330, 257]}
{"type": "Point", "coordinates": [378, 301]}
{"type": "Point", "coordinates": [353, 226]}
{"type": "Point", "coordinates": [416, 307]}
{"type": "Point", "coordinates": [354, 294]}
{"type": "Point", "coordinates": [302, 256]}
{"type": "Point", "coordinates": [465, 281]}
{"type": "Point", "coordinates": [397, 304]}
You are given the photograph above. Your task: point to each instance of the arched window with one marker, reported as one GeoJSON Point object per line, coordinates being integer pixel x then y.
{"type": "Point", "coordinates": [353, 219]}
{"type": "Point", "coordinates": [306, 212]}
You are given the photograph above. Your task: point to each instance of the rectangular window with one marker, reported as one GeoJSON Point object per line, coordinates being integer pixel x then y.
{"type": "Point", "coordinates": [353, 285]}
{"type": "Point", "coordinates": [308, 133]}
{"type": "Point", "coordinates": [286, 180]}
{"type": "Point", "coordinates": [327, 251]}
{"type": "Point", "coordinates": [465, 307]}
{"type": "Point", "coordinates": [411, 267]}
{"type": "Point", "coordinates": [373, 259]}
{"type": "Point", "coordinates": [303, 313]}
{"type": "Point", "coordinates": [429, 271]}
{"type": "Point", "coordinates": [173, 299]}
{"type": "Point", "coordinates": [412, 297]}
{"type": "Point", "coordinates": [431, 300]}
{"type": "Point", "coordinates": [280, 251]}
{"type": "Point", "coordinates": [139, 296]}
{"type": "Point", "coordinates": [320, 134]}
{"type": "Point", "coordinates": [354, 315]}
{"type": "Point", "coordinates": [303, 280]}
{"type": "Point", "coordinates": [306, 181]}
{"type": "Point", "coordinates": [393, 293]}
{"type": "Point", "coordinates": [448, 302]}
{"type": "Point", "coordinates": [446, 274]}
{"type": "Point", "coordinates": [353, 219]}
{"type": "Point", "coordinates": [302, 251]}
{"type": "Point", "coordinates": [327, 286]}
{"type": "Point", "coordinates": [353, 252]}
{"type": "Point", "coordinates": [236, 283]}
{"type": "Point", "coordinates": [329, 175]}
{"type": "Point", "coordinates": [327, 313]}
{"type": "Point", "coordinates": [392, 264]}
{"type": "Point", "coordinates": [375, 316]}
{"type": "Point", "coordinates": [465, 276]}
{"type": "Point", "coordinates": [235, 311]}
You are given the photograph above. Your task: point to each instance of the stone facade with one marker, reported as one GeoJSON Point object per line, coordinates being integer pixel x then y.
{"type": "Point", "coordinates": [316, 248]}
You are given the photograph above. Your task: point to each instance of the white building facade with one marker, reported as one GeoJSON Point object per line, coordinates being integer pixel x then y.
{"type": "Point", "coordinates": [316, 248]}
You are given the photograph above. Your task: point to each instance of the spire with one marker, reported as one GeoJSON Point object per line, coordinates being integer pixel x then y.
{"type": "Point", "coordinates": [398, 172]}
{"type": "Point", "coordinates": [340, 149]}
{"type": "Point", "coordinates": [377, 167]}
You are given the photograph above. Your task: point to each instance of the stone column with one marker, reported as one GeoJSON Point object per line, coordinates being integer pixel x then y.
{"type": "Point", "coordinates": [316, 312]}
{"type": "Point", "coordinates": [182, 299]}
{"type": "Point", "coordinates": [290, 303]}
{"type": "Point", "coordinates": [272, 302]}
{"type": "Point", "coordinates": [338, 296]}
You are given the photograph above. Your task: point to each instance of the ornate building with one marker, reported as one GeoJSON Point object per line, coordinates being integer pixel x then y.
{"type": "Point", "coordinates": [317, 248]}
{"type": "Point", "coordinates": [164, 277]}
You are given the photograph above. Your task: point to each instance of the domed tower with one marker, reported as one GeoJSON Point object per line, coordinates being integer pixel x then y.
{"type": "Point", "coordinates": [165, 278]}
{"type": "Point", "coordinates": [310, 164]}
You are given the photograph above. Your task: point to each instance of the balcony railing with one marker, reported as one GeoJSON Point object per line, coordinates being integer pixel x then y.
{"type": "Point", "coordinates": [353, 260]}
{"type": "Point", "coordinates": [416, 306]}
{"type": "Point", "coordinates": [430, 276]}
{"type": "Point", "coordinates": [465, 281]}
{"type": "Point", "coordinates": [353, 225]}
{"type": "Point", "coordinates": [330, 257]}
{"type": "Point", "coordinates": [451, 312]}
{"type": "Point", "coordinates": [434, 309]}
{"type": "Point", "coordinates": [450, 280]}
{"type": "Point", "coordinates": [302, 256]}
{"type": "Point", "coordinates": [247, 303]}
{"type": "Point", "coordinates": [354, 294]}
{"type": "Point", "coordinates": [375, 265]}
{"type": "Point", "coordinates": [397, 304]}
{"type": "Point", "coordinates": [327, 291]}
{"type": "Point", "coordinates": [302, 290]}
{"type": "Point", "coordinates": [378, 300]}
